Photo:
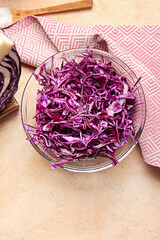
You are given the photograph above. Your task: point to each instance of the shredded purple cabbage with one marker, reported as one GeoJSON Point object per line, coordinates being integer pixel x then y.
{"type": "Point", "coordinates": [84, 110]}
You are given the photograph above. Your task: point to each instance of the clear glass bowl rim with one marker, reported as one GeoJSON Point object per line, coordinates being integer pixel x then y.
{"type": "Point", "coordinates": [127, 151]}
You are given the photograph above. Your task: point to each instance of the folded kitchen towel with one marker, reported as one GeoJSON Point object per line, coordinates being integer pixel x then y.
{"type": "Point", "coordinates": [38, 38]}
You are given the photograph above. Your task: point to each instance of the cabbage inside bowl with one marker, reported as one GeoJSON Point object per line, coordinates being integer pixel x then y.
{"type": "Point", "coordinates": [88, 163]}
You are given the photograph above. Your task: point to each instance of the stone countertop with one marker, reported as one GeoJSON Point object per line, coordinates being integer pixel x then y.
{"type": "Point", "coordinates": [120, 203]}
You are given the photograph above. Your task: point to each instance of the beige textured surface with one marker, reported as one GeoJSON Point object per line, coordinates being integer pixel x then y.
{"type": "Point", "coordinates": [116, 12]}
{"type": "Point", "coordinates": [122, 203]}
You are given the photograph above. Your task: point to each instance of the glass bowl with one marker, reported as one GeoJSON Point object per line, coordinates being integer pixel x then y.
{"type": "Point", "coordinates": [28, 110]}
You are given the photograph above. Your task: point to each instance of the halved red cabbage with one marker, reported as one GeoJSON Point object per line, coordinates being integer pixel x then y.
{"type": "Point", "coordinates": [10, 70]}
{"type": "Point", "coordinates": [84, 110]}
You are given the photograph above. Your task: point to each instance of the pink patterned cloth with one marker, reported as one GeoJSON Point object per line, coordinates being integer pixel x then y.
{"type": "Point", "coordinates": [38, 38]}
